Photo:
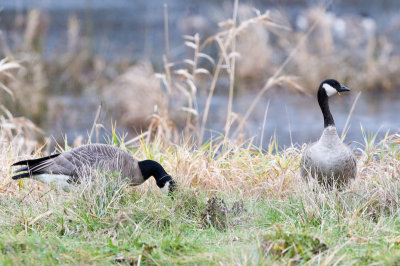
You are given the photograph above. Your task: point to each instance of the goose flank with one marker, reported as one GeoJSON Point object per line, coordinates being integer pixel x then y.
{"type": "Point", "coordinates": [65, 168]}
{"type": "Point", "coordinates": [329, 160]}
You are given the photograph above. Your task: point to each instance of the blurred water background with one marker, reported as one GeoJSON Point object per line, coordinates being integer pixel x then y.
{"type": "Point", "coordinates": [79, 54]}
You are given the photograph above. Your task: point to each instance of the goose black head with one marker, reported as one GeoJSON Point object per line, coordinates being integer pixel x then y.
{"type": "Point", "coordinates": [328, 88]}
{"type": "Point", "coordinates": [332, 86]}
{"type": "Point", "coordinates": [172, 185]}
{"type": "Point", "coordinates": [163, 179]}
{"type": "Point", "coordinates": [166, 184]}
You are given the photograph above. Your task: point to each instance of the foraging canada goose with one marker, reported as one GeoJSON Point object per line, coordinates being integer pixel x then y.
{"type": "Point", "coordinates": [329, 160]}
{"type": "Point", "coordinates": [64, 168]}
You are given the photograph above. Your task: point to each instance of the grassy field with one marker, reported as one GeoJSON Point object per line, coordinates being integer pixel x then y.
{"type": "Point", "coordinates": [235, 205]}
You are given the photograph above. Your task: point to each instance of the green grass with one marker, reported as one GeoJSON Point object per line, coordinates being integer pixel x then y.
{"type": "Point", "coordinates": [160, 230]}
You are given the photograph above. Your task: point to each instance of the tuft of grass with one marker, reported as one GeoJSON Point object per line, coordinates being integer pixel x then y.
{"type": "Point", "coordinates": [297, 247]}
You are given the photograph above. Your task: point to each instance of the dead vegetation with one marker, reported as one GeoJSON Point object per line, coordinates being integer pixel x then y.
{"type": "Point", "coordinates": [218, 215]}
{"type": "Point", "coordinates": [18, 132]}
{"type": "Point", "coordinates": [135, 96]}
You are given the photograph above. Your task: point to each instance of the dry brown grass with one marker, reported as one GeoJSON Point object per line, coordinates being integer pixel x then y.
{"type": "Point", "coordinates": [185, 81]}
{"type": "Point", "coordinates": [18, 131]}
{"type": "Point", "coordinates": [135, 96]}
{"type": "Point", "coordinates": [18, 135]}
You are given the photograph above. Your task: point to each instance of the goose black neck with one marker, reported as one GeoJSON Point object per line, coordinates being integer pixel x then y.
{"type": "Point", "coordinates": [324, 104]}
{"type": "Point", "coordinates": [152, 168]}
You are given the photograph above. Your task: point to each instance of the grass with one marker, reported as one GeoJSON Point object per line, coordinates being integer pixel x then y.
{"type": "Point", "coordinates": [277, 218]}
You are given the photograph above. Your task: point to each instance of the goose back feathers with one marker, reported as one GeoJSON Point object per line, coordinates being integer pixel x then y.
{"type": "Point", "coordinates": [69, 165]}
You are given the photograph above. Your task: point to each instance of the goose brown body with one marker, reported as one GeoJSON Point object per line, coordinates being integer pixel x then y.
{"type": "Point", "coordinates": [329, 160]}
{"type": "Point", "coordinates": [69, 166]}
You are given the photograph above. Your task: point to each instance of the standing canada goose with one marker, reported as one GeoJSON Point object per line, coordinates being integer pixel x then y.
{"type": "Point", "coordinates": [328, 160]}
{"type": "Point", "coordinates": [65, 168]}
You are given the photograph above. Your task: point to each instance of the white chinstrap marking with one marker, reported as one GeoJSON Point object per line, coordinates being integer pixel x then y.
{"type": "Point", "coordinates": [165, 188]}
{"type": "Point", "coordinates": [58, 180]}
{"type": "Point", "coordinates": [329, 89]}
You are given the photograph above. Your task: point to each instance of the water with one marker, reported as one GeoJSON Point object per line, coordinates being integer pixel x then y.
{"type": "Point", "coordinates": [292, 117]}
{"type": "Point", "coordinates": [134, 30]}
{"type": "Point", "coordinates": [297, 118]}
{"type": "Point", "coordinates": [122, 29]}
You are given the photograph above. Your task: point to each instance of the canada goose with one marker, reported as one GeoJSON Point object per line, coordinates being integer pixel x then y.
{"type": "Point", "coordinates": [64, 168]}
{"type": "Point", "coordinates": [329, 160]}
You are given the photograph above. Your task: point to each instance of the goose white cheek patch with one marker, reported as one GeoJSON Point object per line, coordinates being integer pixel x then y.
{"type": "Point", "coordinates": [329, 89]}
{"type": "Point", "coordinates": [165, 188]}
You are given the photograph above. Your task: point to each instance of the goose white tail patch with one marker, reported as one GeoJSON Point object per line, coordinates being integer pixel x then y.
{"type": "Point", "coordinates": [57, 180]}
{"type": "Point", "coordinates": [329, 89]}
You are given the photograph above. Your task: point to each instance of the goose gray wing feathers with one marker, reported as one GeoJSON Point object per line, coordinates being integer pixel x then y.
{"type": "Point", "coordinates": [329, 160]}
{"type": "Point", "coordinates": [94, 156]}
